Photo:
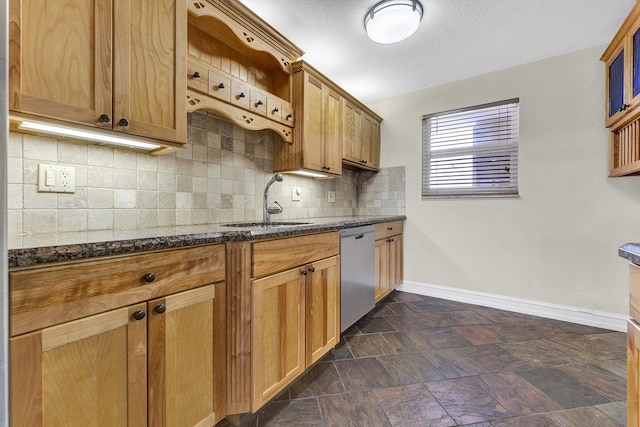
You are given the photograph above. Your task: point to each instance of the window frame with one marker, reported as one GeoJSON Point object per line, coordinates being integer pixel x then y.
{"type": "Point", "coordinates": [505, 151]}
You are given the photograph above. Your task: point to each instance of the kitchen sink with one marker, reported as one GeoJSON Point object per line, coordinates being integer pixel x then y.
{"type": "Point", "coordinates": [264, 224]}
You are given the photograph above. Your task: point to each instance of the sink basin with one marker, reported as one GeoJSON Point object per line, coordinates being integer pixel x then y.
{"type": "Point", "coordinates": [263, 224]}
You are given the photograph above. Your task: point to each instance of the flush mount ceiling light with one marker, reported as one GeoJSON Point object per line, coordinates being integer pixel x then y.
{"type": "Point", "coordinates": [391, 21]}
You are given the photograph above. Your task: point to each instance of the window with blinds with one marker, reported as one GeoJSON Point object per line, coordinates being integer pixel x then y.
{"type": "Point", "coordinates": [471, 152]}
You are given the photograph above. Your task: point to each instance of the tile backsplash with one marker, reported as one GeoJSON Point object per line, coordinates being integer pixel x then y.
{"type": "Point", "coordinates": [219, 177]}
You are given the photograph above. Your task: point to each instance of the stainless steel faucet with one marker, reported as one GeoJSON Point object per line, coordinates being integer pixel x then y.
{"type": "Point", "coordinates": [268, 210]}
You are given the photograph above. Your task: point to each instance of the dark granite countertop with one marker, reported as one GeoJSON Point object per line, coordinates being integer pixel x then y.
{"type": "Point", "coordinates": [40, 249]}
{"type": "Point", "coordinates": [630, 251]}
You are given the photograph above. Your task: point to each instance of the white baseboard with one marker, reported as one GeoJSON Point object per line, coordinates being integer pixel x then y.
{"type": "Point", "coordinates": [597, 319]}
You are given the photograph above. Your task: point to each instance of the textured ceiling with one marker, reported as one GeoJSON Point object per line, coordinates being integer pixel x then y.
{"type": "Point", "coordinates": [456, 39]}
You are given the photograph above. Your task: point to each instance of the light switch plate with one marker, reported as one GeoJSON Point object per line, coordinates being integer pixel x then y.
{"type": "Point", "coordinates": [296, 193]}
{"type": "Point", "coordinates": [332, 196]}
{"type": "Point", "coordinates": [56, 179]}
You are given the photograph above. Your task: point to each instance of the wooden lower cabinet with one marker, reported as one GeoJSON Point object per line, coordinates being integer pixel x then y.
{"type": "Point", "coordinates": [322, 321]}
{"type": "Point", "coordinates": [277, 333]}
{"type": "Point", "coordinates": [382, 261]}
{"type": "Point", "coordinates": [184, 371]}
{"type": "Point", "coordinates": [633, 349]}
{"type": "Point", "coordinates": [296, 321]}
{"type": "Point", "coordinates": [90, 371]}
{"type": "Point", "coordinates": [388, 258]}
{"type": "Point", "coordinates": [107, 369]}
{"type": "Point", "coordinates": [633, 374]}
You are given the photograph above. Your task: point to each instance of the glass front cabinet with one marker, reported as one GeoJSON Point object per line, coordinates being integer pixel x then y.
{"type": "Point", "coordinates": [622, 96]}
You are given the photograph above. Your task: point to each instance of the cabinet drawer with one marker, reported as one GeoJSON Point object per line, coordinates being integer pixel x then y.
{"type": "Point", "coordinates": [45, 296]}
{"type": "Point", "coordinates": [272, 256]}
{"type": "Point", "coordinates": [201, 83]}
{"type": "Point", "coordinates": [388, 229]}
{"type": "Point", "coordinates": [634, 292]}
{"type": "Point", "coordinates": [258, 102]}
{"type": "Point", "coordinates": [287, 114]}
{"type": "Point", "coordinates": [240, 94]}
{"type": "Point", "coordinates": [274, 109]}
{"type": "Point", "coordinates": [219, 86]}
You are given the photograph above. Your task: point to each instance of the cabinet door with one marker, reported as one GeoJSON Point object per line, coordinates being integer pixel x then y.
{"type": "Point", "coordinates": [633, 66]}
{"type": "Point", "coordinates": [382, 269]}
{"type": "Point", "coordinates": [370, 144]}
{"type": "Point", "coordinates": [395, 261]}
{"type": "Point", "coordinates": [615, 86]}
{"type": "Point", "coordinates": [90, 371]}
{"type": "Point", "coordinates": [313, 131]}
{"type": "Point", "coordinates": [322, 295]}
{"type": "Point", "coordinates": [351, 132]}
{"type": "Point", "coordinates": [60, 59]}
{"type": "Point", "coordinates": [633, 373]}
{"type": "Point", "coordinates": [181, 361]}
{"type": "Point", "coordinates": [374, 144]}
{"type": "Point", "coordinates": [332, 132]}
{"type": "Point", "coordinates": [150, 44]}
{"type": "Point", "coordinates": [277, 337]}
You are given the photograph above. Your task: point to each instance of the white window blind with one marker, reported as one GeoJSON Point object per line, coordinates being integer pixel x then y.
{"type": "Point", "coordinates": [471, 152]}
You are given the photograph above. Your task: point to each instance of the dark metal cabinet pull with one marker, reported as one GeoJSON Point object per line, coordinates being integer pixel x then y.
{"type": "Point", "coordinates": [161, 308]}
{"type": "Point", "coordinates": [104, 118]}
{"type": "Point", "coordinates": [312, 269]}
{"type": "Point", "coordinates": [196, 75]}
{"type": "Point", "coordinates": [221, 86]}
{"type": "Point", "coordinates": [242, 95]}
{"type": "Point", "coordinates": [139, 314]}
{"type": "Point", "coordinates": [304, 272]}
{"type": "Point", "coordinates": [149, 277]}
{"type": "Point", "coordinates": [123, 122]}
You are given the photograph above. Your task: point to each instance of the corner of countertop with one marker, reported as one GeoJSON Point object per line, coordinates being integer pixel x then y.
{"type": "Point", "coordinates": [631, 252]}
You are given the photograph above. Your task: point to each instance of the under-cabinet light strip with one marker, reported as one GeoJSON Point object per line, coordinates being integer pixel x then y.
{"type": "Point", "coordinates": [91, 136]}
{"type": "Point", "coordinates": [309, 174]}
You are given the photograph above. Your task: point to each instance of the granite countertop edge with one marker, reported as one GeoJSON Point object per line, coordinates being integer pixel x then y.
{"type": "Point", "coordinates": [178, 237]}
{"type": "Point", "coordinates": [631, 252]}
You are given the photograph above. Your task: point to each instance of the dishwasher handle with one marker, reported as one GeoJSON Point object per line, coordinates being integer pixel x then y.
{"type": "Point", "coordinates": [359, 236]}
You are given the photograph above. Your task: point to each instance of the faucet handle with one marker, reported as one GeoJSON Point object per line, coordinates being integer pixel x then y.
{"type": "Point", "coordinates": [275, 209]}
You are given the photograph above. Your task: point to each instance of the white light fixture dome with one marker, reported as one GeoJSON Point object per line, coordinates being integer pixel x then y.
{"type": "Point", "coordinates": [391, 21]}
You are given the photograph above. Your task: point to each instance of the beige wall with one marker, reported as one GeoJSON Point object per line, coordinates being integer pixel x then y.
{"type": "Point", "coordinates": [558, 242]}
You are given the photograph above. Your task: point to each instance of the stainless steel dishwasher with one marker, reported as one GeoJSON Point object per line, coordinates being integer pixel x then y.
{"type": "Point", "coordinates": [357, 274]}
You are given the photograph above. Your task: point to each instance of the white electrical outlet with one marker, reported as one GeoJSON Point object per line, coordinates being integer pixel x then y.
{"type": "Point", "coordinates": [332, 196]}
{"type": "Point", "coordinates": [56, 179]}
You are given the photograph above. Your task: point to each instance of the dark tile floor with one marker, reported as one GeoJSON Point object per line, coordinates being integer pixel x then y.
{"type": "Point", "coordinates": [422, 361]}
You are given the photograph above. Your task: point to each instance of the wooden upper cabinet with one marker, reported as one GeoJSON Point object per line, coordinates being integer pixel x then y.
{"type": "Point", "coordinates": [60, 59]}
{"type": "Point", "coordinates": [360, 137]}
{"type": "Point", "coordinates": [317, 142]}
{"type": "Point", "coordinates": [351, 132]}
{"type": "Point", "coordinates": [150, 68]}
{"type": "Point", "coordinates": [107, 64]}
{"type": "Point", "coordinates": [622, 59]}
{"type": "Point", "coordinates": [239, 67]}
{"type": "Point", "coordinates": [622, 96]}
